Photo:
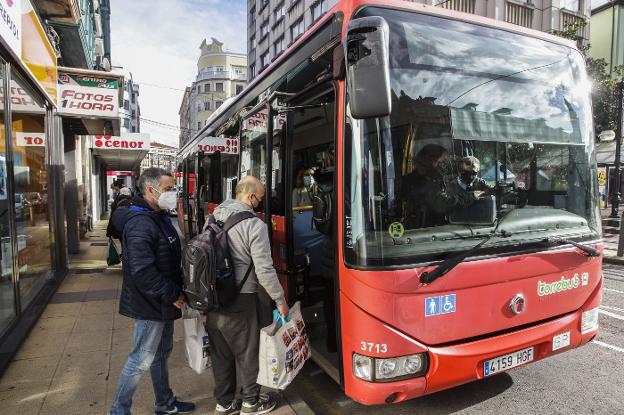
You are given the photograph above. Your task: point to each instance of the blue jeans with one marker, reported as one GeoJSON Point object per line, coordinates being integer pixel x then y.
{"type": "Point", "coordinates": [152, 344]}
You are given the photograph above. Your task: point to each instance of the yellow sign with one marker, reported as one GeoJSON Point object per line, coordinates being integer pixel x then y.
{"type": "Point", "coordinates": [602, 176]}
{"type": "Point", "coordinates": [396, 230]}
{"type": "Point", "coordinates": [37, 52]}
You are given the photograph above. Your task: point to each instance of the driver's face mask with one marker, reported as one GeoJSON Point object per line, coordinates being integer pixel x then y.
{"type": "Point", "coordinates": [468, 176]}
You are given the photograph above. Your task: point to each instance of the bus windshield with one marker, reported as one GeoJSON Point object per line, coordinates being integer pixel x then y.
{"type": "Point", "coordinates": [486, 125]}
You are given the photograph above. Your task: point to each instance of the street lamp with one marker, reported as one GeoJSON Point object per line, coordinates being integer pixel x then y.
{"type": "Point", "coordinates": [615, 193]}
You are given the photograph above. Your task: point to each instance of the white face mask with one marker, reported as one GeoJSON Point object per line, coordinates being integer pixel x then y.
{"type": "Point", "coordinates": [167, 200]}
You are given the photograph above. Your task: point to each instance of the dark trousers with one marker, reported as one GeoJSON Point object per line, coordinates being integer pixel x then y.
{"type": "Point", "coordinates": [234, 340]}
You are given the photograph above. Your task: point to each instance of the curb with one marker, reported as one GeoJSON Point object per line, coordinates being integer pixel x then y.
{"type": "Point", "coordinates": [613, 260]}
{"type": "Point", "coordinates": [297, 404]}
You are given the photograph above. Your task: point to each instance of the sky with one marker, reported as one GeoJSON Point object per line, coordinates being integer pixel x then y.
{"type": "Point", "coordinates": [157, 41]}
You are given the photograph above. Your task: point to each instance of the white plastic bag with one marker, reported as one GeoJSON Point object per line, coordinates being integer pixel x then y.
{"type": "Point", "coordinates": [196, 341]}
{"type": "Point", "coordinates": [284, 348]}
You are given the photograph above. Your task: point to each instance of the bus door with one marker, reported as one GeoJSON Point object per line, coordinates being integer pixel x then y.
{"type": "Point", "coordinates": [260, 157]}
{"type": "Point", "coordinates": [310, 177]}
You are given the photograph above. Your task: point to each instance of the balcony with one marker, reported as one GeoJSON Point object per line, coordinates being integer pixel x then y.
{"type": "Point", "coordinates": [225, 75]}
{"type": "Point", "coordinates": [64, 11]}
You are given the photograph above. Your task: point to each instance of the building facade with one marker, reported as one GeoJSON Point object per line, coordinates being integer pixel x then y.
{"type": "Point", "coordinates": [160, 155]}
{"type": "Point", "coordinates": [607, 33]}
{"type": "Point", "coordinates": [221, 74]}
{"type": "Point", "coordinates": [273, 25]}
{"type": "Point", "coordinates": [130, 113]}
{"type": "Point", "coordinates": [185, 116]}
{"type": "Point", "coordinates": [80, 29]}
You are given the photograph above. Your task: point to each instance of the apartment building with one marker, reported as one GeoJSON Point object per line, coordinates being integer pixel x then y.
{"type": "Point", "coordinates": [273, 25]}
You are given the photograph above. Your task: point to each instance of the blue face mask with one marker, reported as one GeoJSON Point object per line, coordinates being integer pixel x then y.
{"type": "Point", "coordinates": [308, 181]}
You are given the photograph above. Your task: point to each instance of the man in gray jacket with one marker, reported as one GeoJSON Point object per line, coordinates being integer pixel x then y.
{"type": "Point", "coordinates": [234, 332]}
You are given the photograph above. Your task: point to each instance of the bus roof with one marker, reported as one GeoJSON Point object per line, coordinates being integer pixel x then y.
{"type": "Point", "coordinates": [333, 20]}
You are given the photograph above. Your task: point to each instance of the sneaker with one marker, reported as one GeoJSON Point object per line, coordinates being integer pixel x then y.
{"type": "Point", "coordinates": [233, 409]}
{"type": "Point", "coordinates": [263, 405]}
{"type": "Point", "coordinates": [177, 407]}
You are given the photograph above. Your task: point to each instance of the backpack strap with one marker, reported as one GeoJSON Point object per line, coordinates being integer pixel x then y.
{"type": "Point", "coordinates": [229, 224]}
{"type": "Point", "coordinates": [236, 218]}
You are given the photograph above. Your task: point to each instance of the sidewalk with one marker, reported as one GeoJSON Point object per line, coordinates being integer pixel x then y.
{"type": "Point", "coordinates": [610, 241]}
{"type": "Point", "coordinates": [72, 358]}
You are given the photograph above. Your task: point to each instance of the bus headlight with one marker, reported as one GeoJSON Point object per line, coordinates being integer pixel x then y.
{"type": "Point", "coordinates": [589, 320]}
{"type": "Point", "coordinates": [363, 367]}
{"type": "Point", "coordinates": [393, 368]}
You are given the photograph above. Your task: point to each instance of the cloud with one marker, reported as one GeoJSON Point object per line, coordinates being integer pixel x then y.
{"type": "Point", "coordinates": [158, 42]}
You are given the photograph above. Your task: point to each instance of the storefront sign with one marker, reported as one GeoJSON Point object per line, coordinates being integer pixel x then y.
{"type": "Point", "coordinates": [30, 139]}
{"type": "Point", "coordinates": [225, 145]}
{"type": "Point", "coordinates": [125, 142]}
{"type": "Point", "coordinates": [21, 100]}
{"type": "Point", "coordinates": [11, 24]}
{"type": "Point", "coordinates": [258, 121]}
{"type": "Point", "coordinates": [88, 95]}
{"type": "Point", "coordinates": [119, 173]}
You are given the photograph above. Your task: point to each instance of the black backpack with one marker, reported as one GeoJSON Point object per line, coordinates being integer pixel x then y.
{"type": "Point", "coordinates": [209, 281]}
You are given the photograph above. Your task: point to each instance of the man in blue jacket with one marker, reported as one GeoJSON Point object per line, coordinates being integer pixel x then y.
{"type": "Point", "coordinates": [152, 290]}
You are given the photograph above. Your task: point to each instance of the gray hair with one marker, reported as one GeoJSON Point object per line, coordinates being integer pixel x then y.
{"type": "Point", "coordinates": [151, 177]}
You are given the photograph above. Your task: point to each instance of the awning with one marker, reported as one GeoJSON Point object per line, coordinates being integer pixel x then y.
{"type": "Point", "coordinates": [121, 153]}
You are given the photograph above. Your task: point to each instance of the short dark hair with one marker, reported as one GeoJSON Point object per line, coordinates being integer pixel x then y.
{"type": "Point", "coordinates": [151, 177]}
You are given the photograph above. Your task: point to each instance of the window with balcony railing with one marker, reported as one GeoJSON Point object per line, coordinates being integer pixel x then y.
{"type": "Point", "coordinates": [264, 59]}
{"type": "Point", "coordinates": [207, 106]}
{"type": "Point", "coordinates": [319, 9]}
{"type": "Point", "coordinates": [279, 45]}
{"type": "Point", "coordinates": [264, 29]}
{"type": "Point", "coordinates": [279, 12]}
{"type": "Point", "coordinates": [466, 6]}
{"type": "Point", "coordinates": [296, 29]}
{"type": "Point", "coordinates": [518, 14]}
{"type": "Point", "coordinates": [218, 104]}
{"type": "Point", "coordinates": [572, 5]}
{"type": "Point", "coordinates": [569, 20]}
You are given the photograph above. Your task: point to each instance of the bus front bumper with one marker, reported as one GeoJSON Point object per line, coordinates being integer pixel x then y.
{"type": "Point", "coordinates": [454, 365]}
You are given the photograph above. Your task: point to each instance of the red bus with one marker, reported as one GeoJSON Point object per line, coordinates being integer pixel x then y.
{"type": "Point", "coordinates": [431, 193]}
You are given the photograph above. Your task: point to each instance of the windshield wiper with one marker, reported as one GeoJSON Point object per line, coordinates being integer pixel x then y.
{"type": "Point", "coordinates": [554, 241]}
{"type": "Point", "coordinates": [450, 263]}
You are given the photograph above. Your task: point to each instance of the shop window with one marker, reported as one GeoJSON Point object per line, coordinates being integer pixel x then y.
{"type": "Point", "coordinates": [30, 170]}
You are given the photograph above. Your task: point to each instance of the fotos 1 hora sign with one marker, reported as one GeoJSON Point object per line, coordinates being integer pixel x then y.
{"type": "Point", "coordinates": [30, 139]}
{"type": "Point", "coordinates": [89, 96]}
{"type": "Point", "coordinates": [224, 145]}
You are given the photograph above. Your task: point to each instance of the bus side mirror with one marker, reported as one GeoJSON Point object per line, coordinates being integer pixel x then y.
{"type": "Point", "coordinates": [368, 67]}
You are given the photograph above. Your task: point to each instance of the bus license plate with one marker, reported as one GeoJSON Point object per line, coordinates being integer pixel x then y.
{"type": "Point", "coordinates": [508, 361]}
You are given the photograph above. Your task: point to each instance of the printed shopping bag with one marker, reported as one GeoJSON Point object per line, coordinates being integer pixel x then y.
{"type": "Point", "coordinates": [196, 341]}
{"type": "Point", "coordinates": [284, 348]}
{"type": "Point", "coordinates": [113, 254]}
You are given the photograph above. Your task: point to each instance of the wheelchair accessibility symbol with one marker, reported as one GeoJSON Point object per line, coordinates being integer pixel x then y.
{"type": "Point", "coordinates": [443, 304]}
{"type": "Point", "coordinates": [447, 304]}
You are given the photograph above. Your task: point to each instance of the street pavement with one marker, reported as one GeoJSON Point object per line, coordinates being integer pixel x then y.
{"type": "Point", "coordinates": [72, 358]}
{"type": "Point", "coordinates": [587, 380]}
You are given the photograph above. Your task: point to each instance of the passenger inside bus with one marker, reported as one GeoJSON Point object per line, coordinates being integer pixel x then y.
{"type": "Point", "coordinates": [305, 186]}
{"type": "Point", "coordinates": [468, 186]}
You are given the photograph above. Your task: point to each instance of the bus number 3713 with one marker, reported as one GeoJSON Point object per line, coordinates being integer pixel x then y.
{"type": "Point", "coordinates": [374, 347]}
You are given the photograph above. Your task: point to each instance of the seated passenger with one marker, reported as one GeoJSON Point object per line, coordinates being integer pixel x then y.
{"type": "Point", "coordinates": [304, 188]}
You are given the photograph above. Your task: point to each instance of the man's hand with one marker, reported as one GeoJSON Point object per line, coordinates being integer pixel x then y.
{"type": "Point", "coordinates": [478, 194]}
{"type": "Point", "coordinates": [283, 309]}
{"type": "Point", "coordinates": [179, 302]}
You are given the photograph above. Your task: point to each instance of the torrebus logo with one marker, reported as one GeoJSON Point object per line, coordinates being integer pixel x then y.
{"type": "Point", "coordinates": [564, 284]}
